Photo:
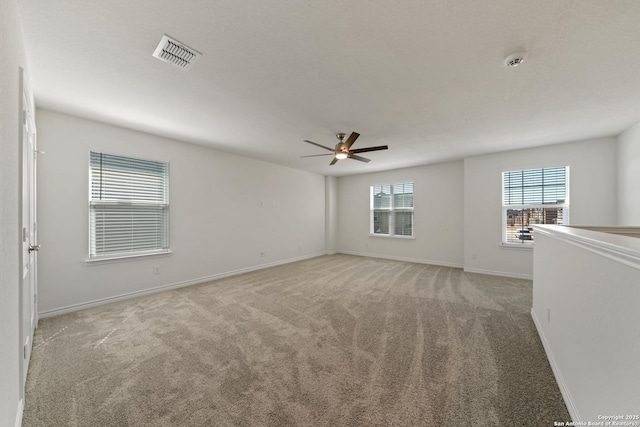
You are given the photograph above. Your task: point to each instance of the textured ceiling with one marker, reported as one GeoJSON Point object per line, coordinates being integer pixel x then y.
{"type": "Point", "coordinates": [424, 77]}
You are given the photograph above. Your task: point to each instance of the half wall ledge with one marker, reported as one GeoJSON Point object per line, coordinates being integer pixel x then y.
{"type": "Point", "coordinates": [586, 307]}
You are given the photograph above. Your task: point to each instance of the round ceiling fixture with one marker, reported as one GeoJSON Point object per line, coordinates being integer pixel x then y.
{"type": "Point", "coordinates": [514, 60]}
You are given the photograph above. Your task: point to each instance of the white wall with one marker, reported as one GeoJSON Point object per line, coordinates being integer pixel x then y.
{"type": "Point", "coordinates": [629, 176]}
{"type": "Point", "coordinates": [438, 215]}
{"type": "Point", "coordinates": [593, 199]}
{"type": "Point", "coordinates": [591, 334]}
{"type": "Point", "coordinates": [224, 211]}
{"type": "Point", "coordinates": [12, 56]}
{"type": "Point", "coordinates": [331, 214]}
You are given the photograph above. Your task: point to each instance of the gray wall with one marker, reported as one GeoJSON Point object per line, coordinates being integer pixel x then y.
{"type": "Point", "coordinates": [458, 212]}
{"type": "Point", "coordinates": [592, 188]}
{"type": "Point", "coordinates": [224, 210]}
{"type": "Point", "coordinates": [438, 218]}
{"type": "Point", "coordinates": [629, 176]}
{"type": "Point", "coordinates": [331, 214]}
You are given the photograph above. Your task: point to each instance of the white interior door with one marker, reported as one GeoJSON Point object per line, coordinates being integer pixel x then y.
{"type": "Point", "coordinates": [28, 293]}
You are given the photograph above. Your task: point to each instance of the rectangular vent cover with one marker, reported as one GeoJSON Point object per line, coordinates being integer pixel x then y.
{"type": "Point", "coordinates": [175, 53]}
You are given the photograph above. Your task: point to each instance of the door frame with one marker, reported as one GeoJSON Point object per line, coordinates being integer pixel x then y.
{"type": "Point", "coordinates": [27, 232]}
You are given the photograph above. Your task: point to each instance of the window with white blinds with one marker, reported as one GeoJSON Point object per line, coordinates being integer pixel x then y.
{"type": "Point", "coordinates": [392, 209]}
{"type": "Point", "coordinates": [128, 206]}
{"type": "Point", "coordinates": [533, 196]}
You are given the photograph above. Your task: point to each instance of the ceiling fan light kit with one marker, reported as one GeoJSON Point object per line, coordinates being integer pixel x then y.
{"type": "Point", "coordinates": [343, 149]}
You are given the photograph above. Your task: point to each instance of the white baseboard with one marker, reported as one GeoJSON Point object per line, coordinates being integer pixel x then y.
{"type": "Point", "coordinates": [499, 273]}
{"type": "Point", "coordinates": [19, 413]}
{"type": "Point", "coordinates": [128, 295]}
{"type": "Point", "coordinates": [564, 390]}
{"type": "Point", "coordinates": [442, 264]}
{"type": "Point", "coordinates": [406, 259]}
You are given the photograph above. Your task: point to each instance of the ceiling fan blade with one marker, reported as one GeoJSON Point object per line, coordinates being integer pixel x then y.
{"type": "Point", "coordinates": [349, 142]}
{"type": "Point", "coordinates": [318, 145]}
{"type": "Point", "coordinates": [364, 150]}
{"type": "Point", "coordinates": [333, 162]}
{"type": "Point", "coordinates": [316, 155]}
{"type": "Point", "coordinates": [360, 158]}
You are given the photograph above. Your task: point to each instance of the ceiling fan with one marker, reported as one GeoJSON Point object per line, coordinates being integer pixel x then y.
{"type": "Point", "coordinates": [343, 149]}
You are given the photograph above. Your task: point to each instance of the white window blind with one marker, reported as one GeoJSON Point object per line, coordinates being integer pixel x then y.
{"type": "Point", "coordinates": [533, 196]}
{"type": "Point", "coordinates": [392, 209]}
{"type": "Point", "coordinates": [128, 206]}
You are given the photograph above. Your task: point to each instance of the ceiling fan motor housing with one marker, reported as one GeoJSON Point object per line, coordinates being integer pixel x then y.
{"type": "Point", "coordinates": [343, 148]}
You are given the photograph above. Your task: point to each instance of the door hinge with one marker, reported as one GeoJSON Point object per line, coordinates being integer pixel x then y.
{"type": "Point", "coordinates": [24, 351]}
{"type": "Point", "coordinates": [24, 117]}
{"type": "Point", "coordinates": [35, 299]}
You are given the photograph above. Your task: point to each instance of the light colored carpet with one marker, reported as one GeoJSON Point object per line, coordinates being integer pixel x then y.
{"type": "Point", "coordinates": [331, 341]}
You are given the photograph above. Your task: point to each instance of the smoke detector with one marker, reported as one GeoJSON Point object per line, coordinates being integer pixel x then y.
{"type": "Point", "coordinates": [514, 60]}
{"type": "Point", "coordinates": [175, 53]}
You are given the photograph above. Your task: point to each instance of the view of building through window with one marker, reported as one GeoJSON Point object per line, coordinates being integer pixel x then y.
{"type": "Point", "coordinates": [533, 196]}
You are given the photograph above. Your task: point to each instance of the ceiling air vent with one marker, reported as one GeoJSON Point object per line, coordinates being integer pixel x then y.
{"type": "Point", "coordinates": [175, 53]}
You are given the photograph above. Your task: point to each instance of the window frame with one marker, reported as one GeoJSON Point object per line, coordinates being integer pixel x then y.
{"type": "Point", "coordinates": [163, 206]}
{"type": "Point", "coordinates": [392, 210]}
{"type": "Point", "coordinates": [565, 206]}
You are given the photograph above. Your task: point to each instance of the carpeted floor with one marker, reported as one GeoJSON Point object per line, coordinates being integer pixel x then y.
{"type": "Point", "coordinates": [331, 341]}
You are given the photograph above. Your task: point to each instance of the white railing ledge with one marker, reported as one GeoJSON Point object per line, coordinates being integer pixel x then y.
{"type": "Point", "coordinates": [612, 242]}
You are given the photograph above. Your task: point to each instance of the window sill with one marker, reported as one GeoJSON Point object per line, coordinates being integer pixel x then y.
{"type": "Point", "coordinates": [121, 258]}
{"type": "Point", "coordinates": [517, 246]}
{"type": "Point", "coordinates": [386, 236]}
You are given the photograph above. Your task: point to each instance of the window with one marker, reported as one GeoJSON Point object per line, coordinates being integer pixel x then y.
{"type": "Point", "coordinates": [128, 206]}
{"type": "Point", "coordinates": [392, 210]}
{"type": "Point", "coordinates": [533, 196]}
